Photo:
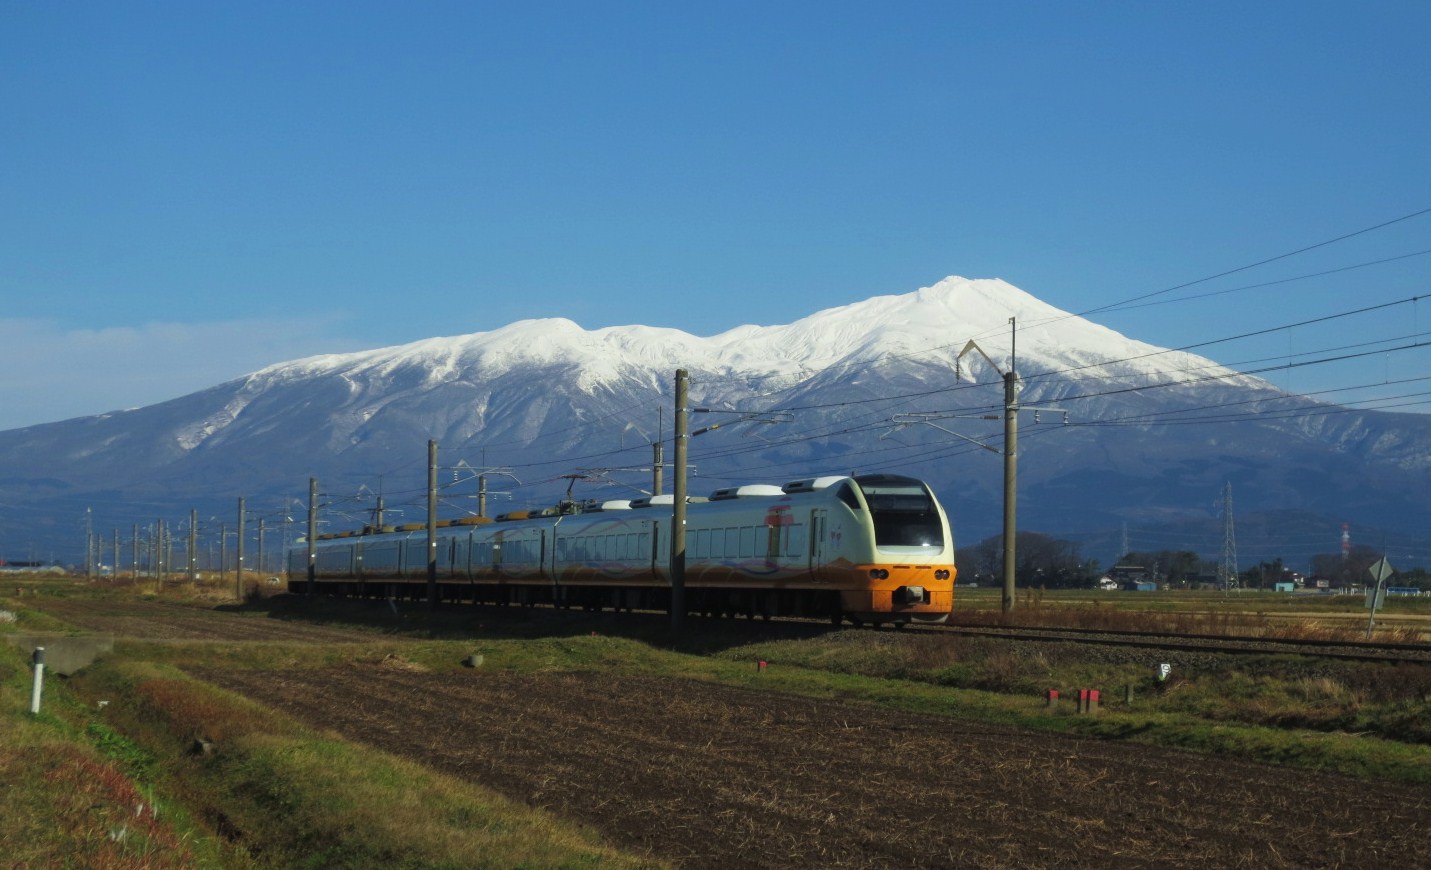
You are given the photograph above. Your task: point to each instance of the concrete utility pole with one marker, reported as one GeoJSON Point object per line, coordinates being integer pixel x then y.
{"type": "Point", "coordinates": [312, 534]}
{"type": "Point", "coordinates": [1011, 461]}
{"type": "Point", "coordinates": [193, 545]}
{"type": "Point", "coordinates": [238, 553]}
{"type": "Point", "coordinates": [431, 525]}
{"type": "Point", "coordinates": [88, 544]}
{"type": "Point", "coordinates": [1011, 484]}
{"type": "Point", "coordinates": [1010, 451]}
{"type": "Point", "coordinates": [678, 507]}
{"type": "Point", "coordinates": [157, 546]}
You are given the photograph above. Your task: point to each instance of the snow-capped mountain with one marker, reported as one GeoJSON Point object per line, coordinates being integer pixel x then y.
{"type": "Point", "coordinates": [544, 398]}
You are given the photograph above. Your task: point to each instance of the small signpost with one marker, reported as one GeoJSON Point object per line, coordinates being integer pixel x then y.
{"type": "Point", "coordinates": [1376, 592]}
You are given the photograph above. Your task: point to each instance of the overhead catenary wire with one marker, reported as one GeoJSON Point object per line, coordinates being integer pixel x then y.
{"type": "Point", "coordinates": [1103, 364]}
{"type": "Point", "coordinates": [865, 419]}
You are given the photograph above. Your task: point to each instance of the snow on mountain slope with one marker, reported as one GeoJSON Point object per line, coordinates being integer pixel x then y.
{"type": "Point", "coordinates": [934, 322]}
{"type": "Point", "coordinates": [928, 327]}
{"type": "Point", "coordinates": [552, 395]}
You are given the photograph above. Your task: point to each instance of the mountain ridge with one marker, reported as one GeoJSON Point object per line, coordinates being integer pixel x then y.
{"type": "Point", "coordinates": [548, 396]}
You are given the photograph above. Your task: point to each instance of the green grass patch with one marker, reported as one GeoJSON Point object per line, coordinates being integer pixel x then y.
{"type": "Point", "coordinates": [252, 787]}
{"type": "Point", "coordinates": [73, 798]}
{"type": "Point", "coordinates": [285, 795]}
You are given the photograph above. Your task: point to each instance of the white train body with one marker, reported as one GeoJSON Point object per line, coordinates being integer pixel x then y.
{"type": "Point", "coordinates": [871, 548]}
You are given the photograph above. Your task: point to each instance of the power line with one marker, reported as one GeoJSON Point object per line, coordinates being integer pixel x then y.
{"type": "Point", "coordinates": [1264, 262]}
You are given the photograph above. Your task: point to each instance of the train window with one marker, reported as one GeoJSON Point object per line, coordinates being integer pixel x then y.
{"type": "Point", "coordinates": [747, 542]}
{"type": "Point", "coordinates": [903, 511]}
{"type": "Point", "coordinates": [383, 557]}
{"type": "Point", "coordinates": [795, 540]}
{"type": "Point", "coordinates": [846, 494]}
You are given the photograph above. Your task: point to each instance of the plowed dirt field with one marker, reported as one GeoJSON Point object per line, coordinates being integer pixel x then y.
{"type": "Point", "coordinates": [710, 776]}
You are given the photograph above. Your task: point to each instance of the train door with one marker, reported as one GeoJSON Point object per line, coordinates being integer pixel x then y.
{"type": "Point", "coordinates": [819, 554]}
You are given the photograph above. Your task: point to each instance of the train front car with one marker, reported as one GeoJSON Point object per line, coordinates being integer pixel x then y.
{"type": "Point", "coordinates": [888, 543]}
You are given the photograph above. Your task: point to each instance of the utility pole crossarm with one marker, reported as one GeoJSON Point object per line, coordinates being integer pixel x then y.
{"type": "Point", "coordinates": [745, 417]}
{"type": "Point", "coordinates": [974, 346]}
{"type": "Point", "coordinates": [903, 420]}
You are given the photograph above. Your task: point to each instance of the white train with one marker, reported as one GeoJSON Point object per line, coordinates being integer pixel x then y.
{"type": "Point", "coordinates": [871, 549]}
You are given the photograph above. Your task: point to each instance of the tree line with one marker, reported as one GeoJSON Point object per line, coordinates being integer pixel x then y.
{"type": "Point", "coordinates": [1052, 563]}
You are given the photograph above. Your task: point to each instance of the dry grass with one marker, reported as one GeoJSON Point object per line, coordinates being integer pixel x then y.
{"type": "Point", "coordinates": [63, 806]}
{"type": "Point", "coordinates": [1311, 629]}
{"type": "Point", "coordinates": [277, 788]}
{"type": "Point", "coordinates": [62, 803]}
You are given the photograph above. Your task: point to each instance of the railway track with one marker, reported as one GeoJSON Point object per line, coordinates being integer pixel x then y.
{"type": "Point", "coordinates": [1203, 643]}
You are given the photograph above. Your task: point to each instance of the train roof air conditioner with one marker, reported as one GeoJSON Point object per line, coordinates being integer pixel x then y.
{"type": "Point", "coordinates": [749, 490]}
{"type": "Point", "coordinates": [810, 484]}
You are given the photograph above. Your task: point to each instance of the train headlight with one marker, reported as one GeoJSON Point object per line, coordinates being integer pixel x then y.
{"type": "Point", "coordinates": [879, 574]}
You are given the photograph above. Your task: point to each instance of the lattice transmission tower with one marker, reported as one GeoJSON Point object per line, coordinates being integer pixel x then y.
{"type": "Point", "coordinates": [1228, 571]}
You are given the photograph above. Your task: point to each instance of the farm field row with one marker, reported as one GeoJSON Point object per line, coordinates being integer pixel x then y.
{"type": "Point", "coordinates": [844, 748]}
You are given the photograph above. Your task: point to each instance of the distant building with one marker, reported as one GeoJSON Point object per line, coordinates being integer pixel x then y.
{"type": "Point", "coordinates": [1133, 578]}
{"type": "Point", "coordinates": [1124, 573]}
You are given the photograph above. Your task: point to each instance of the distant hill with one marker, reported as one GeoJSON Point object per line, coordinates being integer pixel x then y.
{"type": "Point", "coordinates": [1151, 436]}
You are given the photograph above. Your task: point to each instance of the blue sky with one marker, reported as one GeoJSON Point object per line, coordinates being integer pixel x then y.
{"type": "Point", "coordinates": [189, 192]}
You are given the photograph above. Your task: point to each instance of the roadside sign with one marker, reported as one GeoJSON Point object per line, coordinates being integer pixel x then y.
{"type": "Point", "coordinates": [1375, 597]}
{"type": "Point", "coordinates": [1376, 593]}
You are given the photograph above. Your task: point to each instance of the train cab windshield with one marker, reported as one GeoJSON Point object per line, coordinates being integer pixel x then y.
{"type": "Point", "coordinates": [903, 511]}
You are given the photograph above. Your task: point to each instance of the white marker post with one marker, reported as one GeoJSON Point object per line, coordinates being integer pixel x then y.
{"type": "Point", "coordinates": [39, 659]}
